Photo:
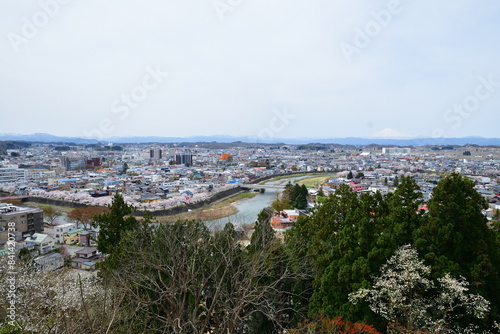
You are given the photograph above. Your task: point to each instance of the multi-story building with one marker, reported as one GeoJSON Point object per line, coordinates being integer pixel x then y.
{"type": "Point", "coordinates": [11, 175]}
{"type": "Point", "coordinates": [74, 162]}
{"type": "Point", "coordinates": [57, 232]}
{"type": "Point", "coordinates": [184, 159]}
{"type": "Point", "coordinates": [396, 150]}
{"type": "Point", "coordinates": [155, 153]}
{"type": "Point", "coordinates": [95, 162]}
{"type": "Point", "coordinates": [24, 220]}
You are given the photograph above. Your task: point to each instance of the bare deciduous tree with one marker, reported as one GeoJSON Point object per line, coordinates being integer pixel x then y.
{"type": "Point", "coordinates": [184, 279]}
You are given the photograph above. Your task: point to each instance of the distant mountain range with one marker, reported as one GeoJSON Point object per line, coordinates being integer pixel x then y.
{"type": "Point", "coordinates": [47, 138]}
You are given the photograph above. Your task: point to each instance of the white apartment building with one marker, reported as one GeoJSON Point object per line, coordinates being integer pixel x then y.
{"type": "Point", "coordinates": [57, 232]}
{"type": "Point", "coordinates": [12, 175]}
{"type": "Point", "coordinates": [396, 150]}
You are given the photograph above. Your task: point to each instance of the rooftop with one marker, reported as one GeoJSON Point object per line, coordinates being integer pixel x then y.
{"type": "Point", "coordinates": [9, 209]}
{"type": "Point", "coordinates": [75, 231]}
{"type": "Point", "coordinates": [86, 251]}
{"type": "Point", "coordinates": [37, 238]}
{"type": "Point", "coordinates": [48, 258]}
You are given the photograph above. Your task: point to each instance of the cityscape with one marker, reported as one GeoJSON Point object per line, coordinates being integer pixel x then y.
{"type": "Point", "coordinates": [249, 167]}
{"type": "Point", "coordinates": [53, 194]}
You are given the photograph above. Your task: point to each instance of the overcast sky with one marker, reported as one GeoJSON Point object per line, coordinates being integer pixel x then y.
{"type": "Point", "coordinates": [256, 68]}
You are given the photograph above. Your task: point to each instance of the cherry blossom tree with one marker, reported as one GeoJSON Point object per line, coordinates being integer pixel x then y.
{"type": "Point", "coordinates": [8, 189]}
{"type": "Point", "coordinates": [63, 302]}
{"type": "Point", "coordinates": [405, 296]}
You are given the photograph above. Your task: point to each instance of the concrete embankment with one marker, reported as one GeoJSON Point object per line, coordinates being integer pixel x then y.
{"type": "Point", "coordinates": [172, 211]}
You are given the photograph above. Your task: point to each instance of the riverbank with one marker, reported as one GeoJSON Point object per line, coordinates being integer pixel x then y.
{"type": "Point", "coordinates": [308, 179]}
{"type": "Point", "coordinates": [65, 209]}
{"type": "Point", "coordinates": [217, 210]}
{"type": "Point", "coordinates": [282, 177]}
{"type": "Point", "coordinates": [315, 181]}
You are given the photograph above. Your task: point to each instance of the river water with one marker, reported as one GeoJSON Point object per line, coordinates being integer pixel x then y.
{"type": "Point", "coordinates": [248, 209]}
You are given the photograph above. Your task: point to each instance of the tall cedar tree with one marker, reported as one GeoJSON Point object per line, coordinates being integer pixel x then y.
{"type": "Point", "coordinates": [112, 225]}
{"type": "Point", "coordinates": [263, 232]}
{"type": "Point", "coordinates": [337, 239]}
{"type": "Point", "coordinates": [457, 240]}
{"type": "Point", "coordinates": [403, 218]}
{"type": "Point", "coordinates": [298, 197]}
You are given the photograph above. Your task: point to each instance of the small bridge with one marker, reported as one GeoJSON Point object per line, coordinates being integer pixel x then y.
{"type": "Point", "coordinates": [260, 187]}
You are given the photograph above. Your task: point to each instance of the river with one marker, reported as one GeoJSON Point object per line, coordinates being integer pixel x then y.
{"type": "Point", "coordinates": [248, 209]}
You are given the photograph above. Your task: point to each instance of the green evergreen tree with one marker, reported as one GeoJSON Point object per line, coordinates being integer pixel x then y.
{"type": "Point", "coordinates": [300, 201]}
{"type": "Point", "coordinates": [396, 181]}
{"type": "Point", "coordinates": [112, 225]}
{"type": "Point", "coordinates": [263, 232]}
{"type": "Point", "coordinates": [457, 240]}
{"type": "Point", "coordinates": [403, 217]}
{"type": "Point", "coordinates": [339, 237]}
{"type": "Point", "coordinates": [298, 197]}
{"type": "Point", "coordinates": [124, 168]}
{"type": "Point", "coordinates": [350, 176]}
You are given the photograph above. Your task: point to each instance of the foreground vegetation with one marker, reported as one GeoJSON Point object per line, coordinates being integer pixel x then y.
{"type": "Point", "coordinates": [359, 264]}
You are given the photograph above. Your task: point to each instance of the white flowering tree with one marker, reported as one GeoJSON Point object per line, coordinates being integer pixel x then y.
{"type": "Point", "coordinates": [7, 189]}
{"type": "Point", "coordinates": [63, 302]}
{"type": "Point", "coordinates": [405, 296]}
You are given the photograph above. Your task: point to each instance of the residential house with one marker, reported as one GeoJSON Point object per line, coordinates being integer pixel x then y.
{"type": "Point", "coordinates": [85, 259]}
{"type": "Point", "coordinates": [72, 237]}
{"type": "Point", "coordinates": [43, 243]}
{"type": "Point", "coordinates": [49, 262]}
{"type": "Point", "coordinates": [285, 219]}
{"type": "Point", "coordinates": [87, 238]}
{"type": "Point", "coordinates": [384, 190]}
{"type": "Point", "coordinates": [356, 187]}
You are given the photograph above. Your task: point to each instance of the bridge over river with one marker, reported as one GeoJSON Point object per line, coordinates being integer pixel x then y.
{"type": "Point", "coordinates": [261, 187]}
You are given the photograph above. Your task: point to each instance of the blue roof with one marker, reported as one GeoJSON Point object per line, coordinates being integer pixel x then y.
{"type": "Point", "coordinates": [68, 180]}
{"type": "Point", "coordinates": [76, 231]}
